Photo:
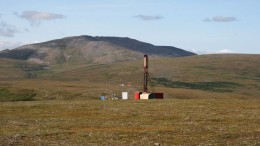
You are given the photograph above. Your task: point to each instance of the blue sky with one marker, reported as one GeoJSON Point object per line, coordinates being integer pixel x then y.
{"type": "Point", "coordinates": [201, 26]}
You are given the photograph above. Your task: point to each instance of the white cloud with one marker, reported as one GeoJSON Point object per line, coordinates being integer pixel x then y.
{"type": "Point", "coordinates": [10, 45]}
{"type": "Point", "coordinates": [224, 19]}
{"type": "Point", "coordinates": [201, 52]}
{"type": "Point", "coordinates": [148, 18]}
{"type": "Point", "coordinates": [26, 30]}
{"type": "Point", "coordinates": [221, 19]}
{"type": "Point", "coordinates": [7, 30]}
{"type": "Point", "coordinates": [104, 6]}
{"type": "Point", "coordinates": [207, 20]}
{"type": "Point", "coordinates": [35, 18]}
{"type": "Point", "coordinates": [225, 51]}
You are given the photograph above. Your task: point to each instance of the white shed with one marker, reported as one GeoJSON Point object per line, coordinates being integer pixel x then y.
{"type": "Point", "coordinates": [124, 95]}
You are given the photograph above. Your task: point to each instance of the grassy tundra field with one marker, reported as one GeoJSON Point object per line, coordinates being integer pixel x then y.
{"type": "Point", "coordinates": [153, 122]}
{"type": "Point", "coordinates": [209, 100]}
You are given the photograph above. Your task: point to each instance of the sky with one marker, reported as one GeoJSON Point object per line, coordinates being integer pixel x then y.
{"type": "Point", "coordinates": [201, 26]}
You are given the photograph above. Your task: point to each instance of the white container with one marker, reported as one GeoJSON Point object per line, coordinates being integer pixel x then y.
{"type": "Point", "coordinates": [144, 96]}
{"type": "Point", "coordinates": [124, 95]}
{"type": "Point", "coordinates": [147, 96]}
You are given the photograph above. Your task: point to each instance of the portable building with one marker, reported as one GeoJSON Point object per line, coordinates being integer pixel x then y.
{"type": "Point", "coordinates": [147, 96]}
{"type": "Point", "coordinates": [124, 95]}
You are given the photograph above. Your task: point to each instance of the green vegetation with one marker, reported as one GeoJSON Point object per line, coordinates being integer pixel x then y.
{"type": "Point", "coordinates": [22, 95]}
{"type": "Point", "coordinates": [207, 76]}
{"type": "Point", "coordinates": [60, 59]}
{"type": "Point", "coordinates": [207, 86]}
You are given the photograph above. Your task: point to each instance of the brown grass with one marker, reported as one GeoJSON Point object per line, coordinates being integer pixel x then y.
{"type": "Point", "coordinates": [166, 122]}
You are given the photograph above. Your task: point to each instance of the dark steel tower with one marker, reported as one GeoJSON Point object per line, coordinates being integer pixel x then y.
{"type": "Point", "coordinates": [145, 73]}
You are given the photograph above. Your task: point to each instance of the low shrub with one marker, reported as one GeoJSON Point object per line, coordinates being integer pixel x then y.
{"type": "Point", "coordinates": [21, 95]}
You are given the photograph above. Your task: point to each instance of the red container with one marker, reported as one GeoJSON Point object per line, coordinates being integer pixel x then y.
{"type": "Point", "coordinates": [137, 95]}
{"type": "Point", "coordinates": [158, 95]}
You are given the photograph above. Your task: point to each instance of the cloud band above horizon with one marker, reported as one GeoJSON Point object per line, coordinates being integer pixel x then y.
{"type": "Point", "coordinates": [35, 17]}
{"type": "Point", "coordinates": [7, 30]}
{"type": "Point", "coordinates": [148, 17]}
{"type": "Point", "coordinates": [221, 19]}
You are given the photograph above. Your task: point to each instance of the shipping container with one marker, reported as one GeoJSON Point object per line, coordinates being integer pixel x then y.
{"type": "Point", "coordinates": [158, 95]}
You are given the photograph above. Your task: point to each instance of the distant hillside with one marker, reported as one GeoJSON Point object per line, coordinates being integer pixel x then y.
{"type": "Point", "coordinates": [90, 49]}
{"type": "Point", "coordinates": [200, 76]}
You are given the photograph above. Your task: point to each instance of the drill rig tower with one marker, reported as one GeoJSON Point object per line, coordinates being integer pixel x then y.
{"type": "Point", "coordinates": [145, 94]}
{"type": "Point", "coordinates": [145, 73]}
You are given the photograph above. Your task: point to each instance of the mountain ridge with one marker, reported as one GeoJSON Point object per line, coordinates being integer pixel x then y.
{"type": "Point", "coordinates": [90, 49]}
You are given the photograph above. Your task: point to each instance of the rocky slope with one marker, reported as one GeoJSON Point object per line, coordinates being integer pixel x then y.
{"type": "Point", "coordinates": [90, 49]}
